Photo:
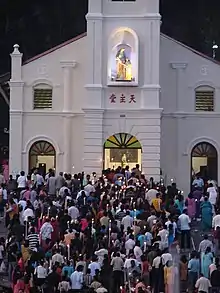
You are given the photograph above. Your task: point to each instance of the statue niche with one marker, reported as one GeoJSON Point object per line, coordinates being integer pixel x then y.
{"type": "Point", "coordinates": [123, 58]}
{"type": "Point", "coordinates": [123, 65]}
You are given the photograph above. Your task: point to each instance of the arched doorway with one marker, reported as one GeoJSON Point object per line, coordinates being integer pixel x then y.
{"type": "Point", "coordinates": [204, 160]}
{"type": "Point", "coordinates": [122, 149]}
{"type": "Point", "coordinates": [42, 155]}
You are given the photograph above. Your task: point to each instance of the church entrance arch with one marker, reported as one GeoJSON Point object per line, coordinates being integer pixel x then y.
{"type": "Point", "coordinates": [204, 160]}
{"type": "Point", "coordinates": [122, 149]}
{"type": "Point", "coordinates": [42, 155]}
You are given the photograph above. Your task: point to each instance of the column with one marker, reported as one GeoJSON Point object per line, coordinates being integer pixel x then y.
{"type": "Point", "coordinates": [16, 113]}
{"type": "Point", "coordinates": [67, 67]}
{"type": "Point", "coordinates": [178, 67]}
{"type": "Point", "coordinates": [93, 141]}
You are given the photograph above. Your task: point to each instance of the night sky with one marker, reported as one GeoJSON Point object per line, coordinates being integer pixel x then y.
{"type": "Point", "coordinates": [39, 25]}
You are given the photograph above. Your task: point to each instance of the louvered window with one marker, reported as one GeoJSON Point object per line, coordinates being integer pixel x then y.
{"type": "Point", "coordinates": [205, 99]}
{"type": "Point", "coordinates": [43, 97]}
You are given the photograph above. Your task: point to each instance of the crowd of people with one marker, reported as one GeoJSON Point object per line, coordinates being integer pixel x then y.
{"type": "Point", "coordinates": [119, 232]}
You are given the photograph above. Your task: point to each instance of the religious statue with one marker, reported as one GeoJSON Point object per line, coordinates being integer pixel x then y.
{"type": "Point", "coordinates": [124, 66]}
{"type": "Point", "coordinates": [124, 160]}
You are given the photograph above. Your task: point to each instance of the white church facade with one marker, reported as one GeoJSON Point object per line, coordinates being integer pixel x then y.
{"type": "Point", "coordinates": [119, 95]}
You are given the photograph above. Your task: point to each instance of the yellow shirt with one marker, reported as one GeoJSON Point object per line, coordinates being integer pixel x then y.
{"type": "Point", "coordinates": [156, 202]}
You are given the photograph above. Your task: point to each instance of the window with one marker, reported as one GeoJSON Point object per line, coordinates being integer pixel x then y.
{"type": "Point", "coordinates": [43, 97]}
{"type": "Point", "coordinates": [205, 99]}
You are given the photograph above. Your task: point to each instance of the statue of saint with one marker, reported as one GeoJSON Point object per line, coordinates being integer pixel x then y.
{"type": "Point", "coordinates": [124, 160]}
{"type": "Point", "coordinates": [123, 66]}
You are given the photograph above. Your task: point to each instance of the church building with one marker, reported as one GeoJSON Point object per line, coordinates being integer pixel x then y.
{"type": "Point", "coordinates": [121, 94]}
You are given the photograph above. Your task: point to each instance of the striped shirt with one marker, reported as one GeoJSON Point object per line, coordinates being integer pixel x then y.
{"type": "Point", "coordinates": [33, 240]}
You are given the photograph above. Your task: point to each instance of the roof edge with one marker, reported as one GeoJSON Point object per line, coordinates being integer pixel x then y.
{"type": "Point", "coordinates": [191, 49]}
{"type": "Point", "coordinates": [55, 48]}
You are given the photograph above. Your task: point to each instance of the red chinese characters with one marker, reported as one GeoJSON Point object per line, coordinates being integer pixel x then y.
{"type": "Point", "coordinates": [112, 99]}
{"type": "Point", "coordinates": [122, 99]}
{"type": "Point", "coordinates": [131, 99]}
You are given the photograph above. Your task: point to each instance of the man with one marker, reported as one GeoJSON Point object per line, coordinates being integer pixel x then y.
{"type": "Point", "coordinates": [60, 181]}
{"type": "Point", "coordinates": [127, 221]}
{"type": "Point", "coordinates": [203, 284]}
{"type": "Point", "coordinates": [204, 244]}
{"type": "Point", "coordinates": [198, 181]}
{"type": "Point", "coordinates": [216, 221]}
{"type": "Point", "coordinates": [184, 222]}
{"type": "Point", "coordinates": [117, 266]}
{"type": "Point", "coordinates": [51, 185]}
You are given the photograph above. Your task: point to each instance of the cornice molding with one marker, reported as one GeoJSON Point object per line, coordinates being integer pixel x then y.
{"type": "Point", "coordinates": [16, 83]}
{"type": "Point", "coordinates": [100, 16]}
{"type": "Point", "coordinates": [66, 64]}
{"type": "Point", "coordinates": [178, 65]}
{"type": "Point", "coordinates": [183, 115]}
{"type": "Point", "coordinates": [46, 113]}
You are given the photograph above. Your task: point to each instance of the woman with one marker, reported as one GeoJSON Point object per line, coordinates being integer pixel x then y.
{"type": "Point", "coordinates": [169, 277]}
{"type": "Point", "coordinates": [206, 261]}
{"type": "Point", "coordinates": [183, 273]}
{"type": "Point", "coordinates": [191, 206]}
{"type": "Point", "coordinates": [179, 203]}
{"type": "Point", "coordinates": [206, 211]}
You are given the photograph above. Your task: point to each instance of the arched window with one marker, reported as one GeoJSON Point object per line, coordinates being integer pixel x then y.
{"type": "Point", "coordinates": [123, 58]}
{"type": "Point", "coordinates": [42, 96]}
{"type": "Point", "coordinates": [204, 98]}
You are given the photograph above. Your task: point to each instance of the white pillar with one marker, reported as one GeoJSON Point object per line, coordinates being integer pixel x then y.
{"type": "Point", "coordinates": [16, 113]}
{"type": "Point", "coordinates": [67, 109]}
{"type": "Point", "coordinates": [67, 67]}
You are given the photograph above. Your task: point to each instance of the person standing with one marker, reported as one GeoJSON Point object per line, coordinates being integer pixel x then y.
{"type": "Point", "coordinates": [203, 284]}
{"type": "Point", "coordinates": [206, 210]}
{"type": "Point", "coordinates": [117, 266]}
{"type": "Point", "coordinates": [184, 222]}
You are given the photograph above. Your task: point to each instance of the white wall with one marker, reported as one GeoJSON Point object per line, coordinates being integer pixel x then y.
{"type": "Point", "coordinates": [181, 126]}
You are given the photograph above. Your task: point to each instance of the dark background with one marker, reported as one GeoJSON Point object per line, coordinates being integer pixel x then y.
{"type": "Point", "coordinates": [39, 25]}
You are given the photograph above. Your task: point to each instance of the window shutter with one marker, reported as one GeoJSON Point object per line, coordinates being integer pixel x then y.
{"type": "Point", "coordinates": [43, 98]}
{"type": "Point", "coordinates": [205, 101]}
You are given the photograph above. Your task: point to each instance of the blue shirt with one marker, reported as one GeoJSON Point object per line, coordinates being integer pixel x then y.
{"type": "Point", "coordinates": [194, 265]}
{"type": "Point", "coordinates": [67, 269]}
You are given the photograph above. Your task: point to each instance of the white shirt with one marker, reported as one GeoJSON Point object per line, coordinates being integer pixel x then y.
{"type": "Point", "coordinates": [212, 195]}
{"type": "Point", "coordinates": [89, 188]}
{"type": "Point", "coordinates": [216, 221]}
{"type": "Point", "coordinates": [1, 250]}
{"type": "Point", "coordinates": [28, 213]}
{"type": "Point", "coordinates": [184, 221]}
{"type": "Point", "coordinates": [156, 262]}
{"type": "Point", "coordinates": [127, 263]}
{"type": "Point", "coordinates": [76, 280]}
{"type": "Point", "coordinates": [101, 253]}
{"type": "Point", "coordinates": [166, 257]}
{"type": "Point", "coordinates": [127, 221]}
{"type": "Point", "coordinates": [73, 212]}
{"type": "Point", "coordinates": [138, 253]}
{"type": "Point", "coordinates": [150, 195]}
{"type": "Point", "coordinates": [93, 266]}
{"type": "Point", "coordinates": [203, 284]}
{"type": "Point", "coordinates": [41, 272]}
{"type": "Point", "coordinates": [164, 238]}
{"type": "Point", "coordinates": [129, 244]}
{"type": "Point", "coordinates": [174, 227]}
{"type": "Point", "coordinates": [21, 181]}
{"type": "Point", "coordinates": [57, 258]}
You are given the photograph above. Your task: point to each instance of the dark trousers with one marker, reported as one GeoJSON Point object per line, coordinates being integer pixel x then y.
{"type": "Point", "coordinates": [117, 278]}
{"type": "Point", "coordinates": [185, 239]}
